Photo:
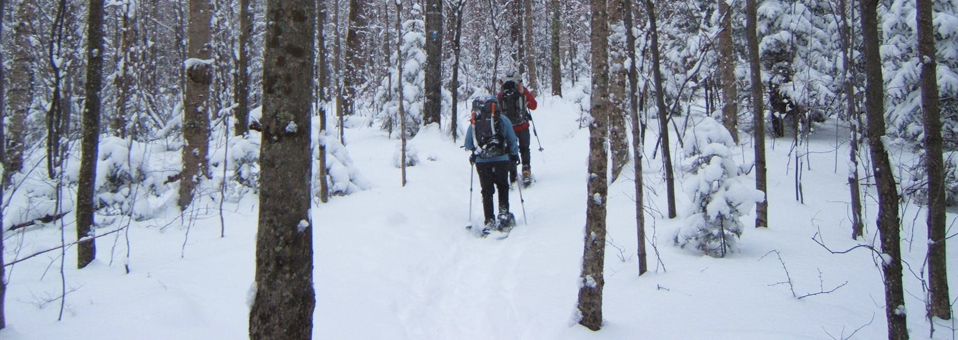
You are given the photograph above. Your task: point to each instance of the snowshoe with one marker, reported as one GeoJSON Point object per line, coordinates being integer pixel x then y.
{"type": "Point", "coordinates": [490, 226]}
{"type": "Point", "coordinates": [506, 221]}
{"type": "Point", "coordinates": [526, 177]}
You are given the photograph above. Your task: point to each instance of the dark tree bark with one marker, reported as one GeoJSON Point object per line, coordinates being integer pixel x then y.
{"type": "Point", "coordinates": [432, 106]}
{"type": "Point", "coordinates": [196, 101]}
{"type": "Point", "coordinates": [758, 105]}
{"type": "Point", "coordinates": [3, 272]}
{"type": "Point", "coordinates": [514, 10]}
{"type": "Point", "coordinates": [90, 129]}
{"type": "Point", "coordinates": [356, 34]}
{"type": "Point", "coordinates": [593, 255]}
{"type": "Point", "coordinates": [637, 139]}
{"type": "Point", "coordinates": [324, 94]}
{"type": "Point", "coordinates": [399, 71]}
{"type": "Point", "coordinates": [663, 111]}
{"type": "Point", "coordinates": [854, 118]}
{"type": "Point", "coordinates": [727, 71]}
{"type": "Point", "coordinates": [123, 81]}
{"type": "Point", "coordinates": [938, 302]}
{"type": "Point", "coordinates": [284, 300]}
{"type": "Point", "coordinates": [888, 222]}
{"type": "Point", "coordinates": [530, 48]}
{"type": "Point", "coordinates": [454, 84]}
{"type": "Point", "coordinates": [20, 94]}
{"type": "Point", "coordinates": [618, 102]}
{"type": "Point", "coordinates": [556, 51]}
{"type": "Point", "coordinates": [241, 91]}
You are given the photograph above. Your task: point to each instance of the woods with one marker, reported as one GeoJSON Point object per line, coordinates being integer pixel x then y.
{"type": "Point", "coordinates": [114, 113]}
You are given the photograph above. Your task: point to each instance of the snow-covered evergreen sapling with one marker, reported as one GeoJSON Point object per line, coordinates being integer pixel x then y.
{"type": "Point", "coordinates": [719, 192]}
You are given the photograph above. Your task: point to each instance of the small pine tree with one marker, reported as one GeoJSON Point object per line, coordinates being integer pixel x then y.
{"type": "Point", "coordinates": [413, 79]}
{"type": "Point", "coordinates": [719, 192]}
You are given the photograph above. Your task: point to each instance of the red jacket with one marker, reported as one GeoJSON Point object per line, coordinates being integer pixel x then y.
{"type": "Point", "coordinates": [531, 104]}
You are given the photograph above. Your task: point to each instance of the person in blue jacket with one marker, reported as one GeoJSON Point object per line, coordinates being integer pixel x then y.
{"type": "Point", "coordinates": [493, 162]}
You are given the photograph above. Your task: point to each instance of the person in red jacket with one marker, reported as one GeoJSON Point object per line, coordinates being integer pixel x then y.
{"type": "Point", "coordinates": [516, 101]}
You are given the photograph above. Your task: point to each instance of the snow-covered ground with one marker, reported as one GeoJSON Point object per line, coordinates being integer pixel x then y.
{"type": "Point", "coordinates": [394, 262]}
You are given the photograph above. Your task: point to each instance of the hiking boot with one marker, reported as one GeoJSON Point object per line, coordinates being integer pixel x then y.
{"type": "Point", "coordinates": [526, 175]}
{"type": "Point", "coordinates": [489, 226]}
{"type": "Point", "coordinates": [506, 220]}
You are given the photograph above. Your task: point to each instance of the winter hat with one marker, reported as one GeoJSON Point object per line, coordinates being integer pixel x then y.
{"type": "Point", "coordinates": [510, 77]}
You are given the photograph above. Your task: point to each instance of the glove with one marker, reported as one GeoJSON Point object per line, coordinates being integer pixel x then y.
{"type": "Point", "coordinates": [514, 159]}
{"type": "Point", "coordinates": [472, 159]}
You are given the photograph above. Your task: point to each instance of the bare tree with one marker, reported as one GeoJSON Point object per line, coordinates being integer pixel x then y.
{"type": "Point", "coordinates": [323, 91]}
{"type": "Point", "coordinates": [20, 93]}
{"type": "Point", "coordinates": [593, 255]}
{"type": "Point", "coordinates": [663, 111]}
{"type": "Point", "coordinates": [938, 304]}
{"type": "Point", "coordinates": [284, 299]}
{"type": "Point", "coordinates": [3, 273]}
{"type": "Point", "coordinates": [618, 75]}
{"type": "Point", "coordinates": [758, 105]}
{"type": "Point", "coordinates": [454, 83]}
{"type": "Point", "coordinates": [637, 137]}
{"type": "Point", "coordinates": [196, 119]}
{"type": "Point", "coordinates": [90, 128]}
{"type": "Point", "coordinates": [241, 89]}
{"type": "Point", "coordinates": [727, 71]}
{"type": "Point", "coordinates": [556, 51]}
{"type": "Point", "coordinates": [888, 222]}
{"type": "Point", "coordinates": [433, 102]}
{"type": "Point", "coordinates": [356, 33]}
{"type": "Point", "coordinates": [530, 47]}
{"type": "Point", "coordinates": [854, 118]}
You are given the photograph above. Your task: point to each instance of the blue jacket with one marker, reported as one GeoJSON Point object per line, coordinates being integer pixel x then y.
{"type": "Point", "coordinates": [505, 127]}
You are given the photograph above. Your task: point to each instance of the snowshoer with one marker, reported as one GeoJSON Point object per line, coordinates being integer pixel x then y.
{"type": "Point", "coordinates": [495, 151]}
{"type": "Point", "coordinates": [516, 101]}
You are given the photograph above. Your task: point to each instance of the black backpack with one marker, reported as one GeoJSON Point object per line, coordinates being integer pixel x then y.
{"type": "Point", "coordinates": [485, 124]}
{"type": "Point", "coordinates": [513, 103]}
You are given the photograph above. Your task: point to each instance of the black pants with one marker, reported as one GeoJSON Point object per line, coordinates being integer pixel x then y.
{"type": "Point", "coordinates": [493, 175]}
{"type": "Point", "coordinates": [523, 138]}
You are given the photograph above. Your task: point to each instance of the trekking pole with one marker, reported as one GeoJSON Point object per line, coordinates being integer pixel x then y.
{"type": "Point", "coordinates": [534, 132]}
{"type": "Point", "coordinates": [472, 174]}
{"type": "Point", "coordinates": [522, 201]}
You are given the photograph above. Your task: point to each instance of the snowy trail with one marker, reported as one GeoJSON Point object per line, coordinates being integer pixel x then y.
{"type": "Point", "coordinates": [475, 288]}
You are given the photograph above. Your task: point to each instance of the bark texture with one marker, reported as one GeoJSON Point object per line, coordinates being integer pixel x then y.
{"type": "Point", "coordinates": [593, 255]}
{"type": "Point", "coordinates": [555, 29]}
{"type": "Point", "coordinates": [727, 70]}
{"type": "Point", "coordinates": [938, 302]}
{"type": "Point", "coordinates": [663, 111]}
{"type": "Point", "coordinates": [433, 101]}
{"type": "Point", "coordinates": [90, 130]}
{"type": "Point", "coordinates": [888, 222]}
{"type": "Point", "coordinates": [284, 299]}
{"type": "Point", "coordinates": [196, 119]}
{"type": "Point", "coordinates": [758, 105]}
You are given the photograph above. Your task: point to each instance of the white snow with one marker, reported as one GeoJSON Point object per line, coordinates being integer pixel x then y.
{"type": "Point", "coordinates": [394, 262]}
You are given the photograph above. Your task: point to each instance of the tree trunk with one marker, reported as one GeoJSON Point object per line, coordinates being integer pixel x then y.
{"type": "Point", "coordinates": [241, 91]}
{"type": "Point", "coordinates": [3, 272]}
{"type": "Point", "coordinates": [514, 8]}
{"type": "Point", "coordinates": [432, 105]}
{"type": "Point", "coordinates": [618, 75]}
{"type": "Point", "coordinates": [663, 111]}
{"type": "Point", "coordinates": [938, 302]}
{"type": "Point", "coordinates": [854, 119]}
{"type": "Point", "coordinates": [90, 129]}
{"type": "Point", "coordinates": [454, 85]}
{"type": "Point", "coordinates": [593, 255]}
{"type": "Point", "coordinates": [888, 222]}
{"type": "Point", "coordinates": [399, 71]}
{"type": "Point", "coordinates": [20, 94]}
{"type": "Point", "coordinates": [556, 51]}
{"type": "Point", "coordinates": [727, 69]}
{"type": "Point", "coordinates": [758, 105]}
{"type": "Point", "coordinates": [637, 139]}
{"type": "Point", "coordinates": [284, 299]}
{"type": "Point", "coordinates": [530, 48]}
{"type": "Point", "coordinates": [356, 34]}
{"type": "Point", "coordinates": [324, 90]}
{"type": "Point", "coordinates": [196, 120]}
{"type": "Point", "coordinates": [125, 73]}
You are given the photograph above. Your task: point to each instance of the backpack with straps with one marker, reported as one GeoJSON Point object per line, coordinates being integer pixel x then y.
{"type": "Point", "coordinates": [513, 103]}
{"type": "Point", "coordinates": [485, 124]}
